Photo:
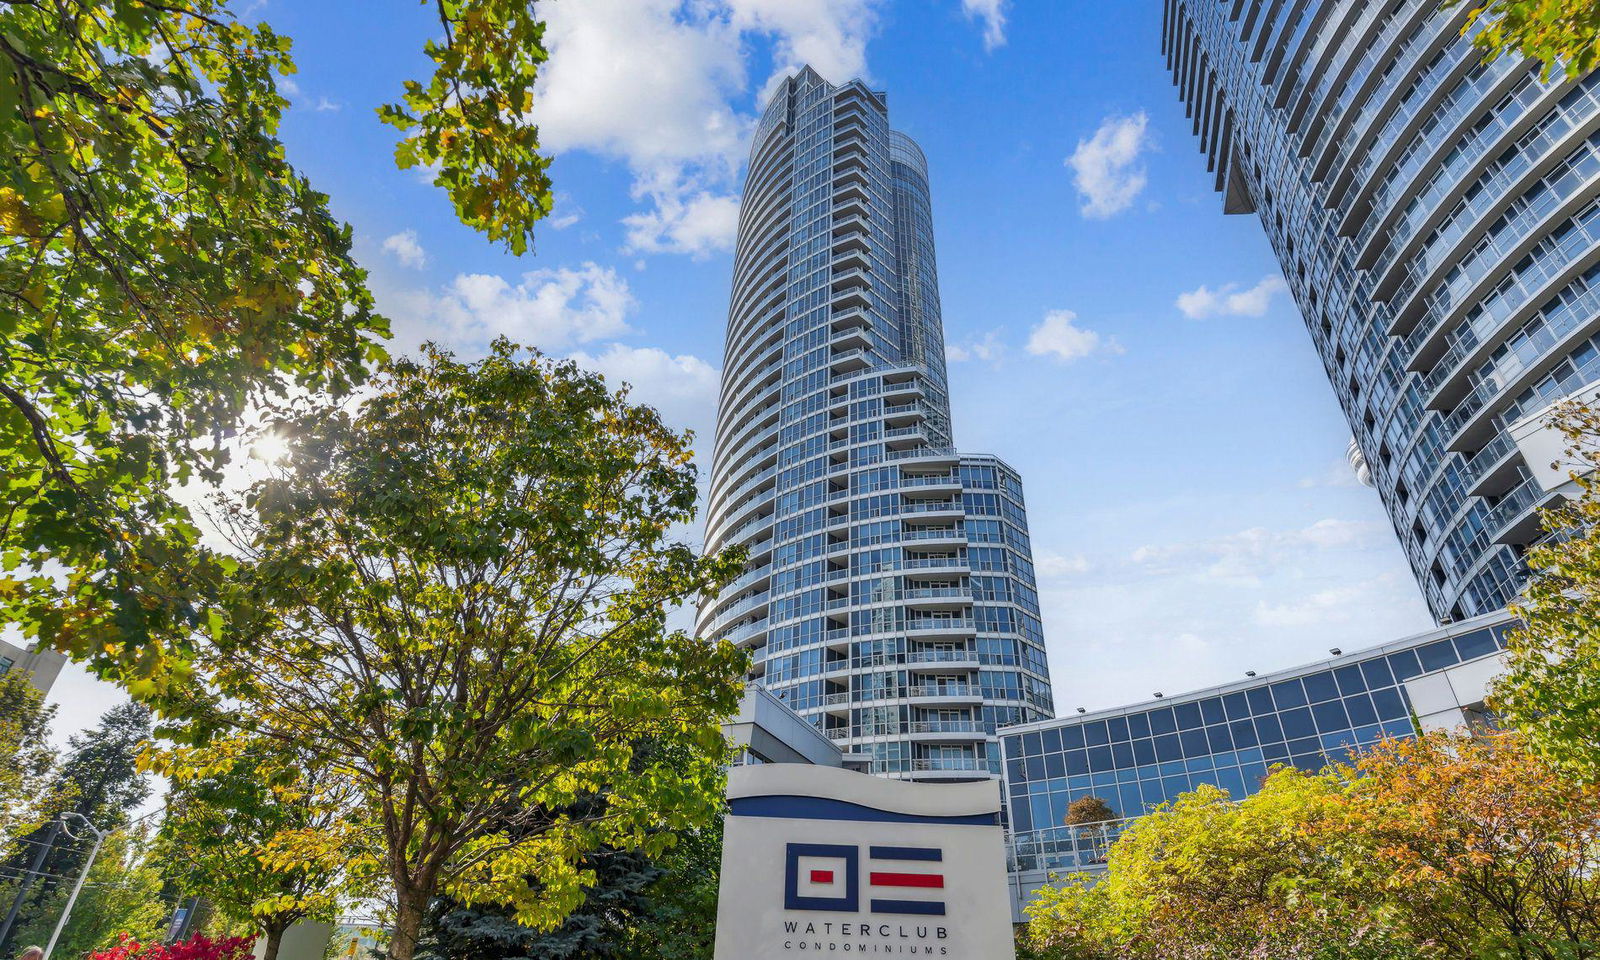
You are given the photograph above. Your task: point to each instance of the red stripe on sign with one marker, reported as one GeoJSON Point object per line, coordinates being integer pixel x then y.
{"type": "Point", "coordinates": [822, 876]}
{"type": "Point", "coordinates": [907, 880]}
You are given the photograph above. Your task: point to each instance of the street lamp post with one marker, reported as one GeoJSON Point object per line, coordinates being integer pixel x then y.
{"type": "Point", "coordinates": [99, 838]}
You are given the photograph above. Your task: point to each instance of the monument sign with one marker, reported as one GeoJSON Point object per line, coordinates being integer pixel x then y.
{"type": "Point", "coordinates": [823, 861]}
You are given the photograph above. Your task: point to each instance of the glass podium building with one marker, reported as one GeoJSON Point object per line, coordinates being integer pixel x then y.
{"type": "Point", "coordinates": [1231, 736]}
{"type": "Point", "coordinates": [1438, 222]}
{"type": "Point", "coordinates": [888, 596]}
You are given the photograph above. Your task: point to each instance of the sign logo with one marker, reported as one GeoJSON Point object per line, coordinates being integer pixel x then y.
{"type": "Point", "coordinates": [827, 876]}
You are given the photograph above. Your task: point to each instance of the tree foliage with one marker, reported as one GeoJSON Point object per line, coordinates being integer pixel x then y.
{"type": "Point", "coordinates": [1551, 690]}
{"type": "Point", "coordinates": [98, 780]}
{"type": "Point", "coordinates": [594, 931]}
{"type": "Point", "coordinates": [121, 896]}
{"type": "Point", "coordinates": [1089, 809]}
{"type": "Point", "coordinates": [1443, 846]}
{"type": "Point", "coordinates": [1561, 34]}
{"type": "Point", "coordinates": [455, 596]}
{"type": "Point", "coordinates": [680, 920]}
{"type": "Point", "coordinates": [469, 122]}
{"type": "Point", "coordinates": [267, 838]}
{"type": "Point", "coordinates": [27, 799]}
{"type": "Point", "coordinates": [161, 266]}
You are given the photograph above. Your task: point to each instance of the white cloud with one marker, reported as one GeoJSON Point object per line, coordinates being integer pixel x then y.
{"type": "Point", "coordinates": [406, 249]}
{"type": "Point", "coordinates": [989, 350]}
{"type": "Point", "coordinates": [828, 35]}
{"type": "Point", "coordinates": [1106, 167]}
{"type": "Point", "coordinates": [1330, 606]}
{"type": "Point", "coordinates": [324, 105]}
{"type": "Point", "coordinates": [992, 14]}
{"type": "Point", "coordinates": [565, 213]}
{"type": "Point", "coordinates": [654, 83]}
{"type": "Point", "coordinates": [548, 309]}
{"type": "Point", "coordinates": [1204, 303]}
{"type": "Point", "coordinates": [288, 87]}
{"type": "Point", "coordinates": [682, 387]}
{"type": "Point", "coordinates": [1249, 555]}
{"type": "Point", "coordinates": [1050, 564]}
{"type": "Point", "coordinates": [1057, 336]}
{"type": "Point", "coordinates": [698, 225]}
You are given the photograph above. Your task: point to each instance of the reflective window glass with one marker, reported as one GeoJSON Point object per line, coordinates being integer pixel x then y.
{"type": "Point", "coordinates": [1139, 725]}
{"type": "Point", "coordinates": [1211, 711]}
{"type": "Point", "coordinates": [1377, 673]}
{"type": "Point", "coordinates": [1437, 655]}
{"type": "Point", "coordinates": [1349, 680]}
{"type": "Point", "coordinates": [1194, 743]}
{"type": "Point", "coordinates": [1360, 709]}
{"type": "Point", "coordinates": [1095, 733]}
{"type": "Point", "coordinates": [1236, 706]}
{"type": "Point", "coordinates": [1260, 700]}
{"type": "Point", "coordinates": [1289, 693]}
{"type": "Point", "coordinates": [1219, 739]}
{"type": "Point", "coordinates": [1478, 643]}
{"type": "Point", "coordinates": [1118, 727]}
{"type": "Point", "coordinates": [1297, 723]}
{"type": "Point", "coordinates": [1320, 686]}
{"type": "Point", "coordinates": [1161, 721]}
{"type": "Point", "coordinates": [1388, 703]}
{"type": "Point", "coordinates": [1330, 716]}
{"type": "Point", "coordinates": [1188, 715]}
{"type": "Point", "coordinates": [1404, 664]}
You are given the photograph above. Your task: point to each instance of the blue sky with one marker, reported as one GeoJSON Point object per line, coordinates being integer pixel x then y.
{"type": "Point", "coordinates": [1113, 335]}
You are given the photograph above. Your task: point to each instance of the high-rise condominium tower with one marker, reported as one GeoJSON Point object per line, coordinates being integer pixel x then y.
{"type": "Point", "coordinates": [889, 595]}
{"type": "Point", "coordinates": [1438, 224]}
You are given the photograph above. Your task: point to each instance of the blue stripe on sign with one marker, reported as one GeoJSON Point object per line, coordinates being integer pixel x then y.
{"type": "Point", "coordinates": [824, 808]}
{"type": "Point", "coordinates": [925, 907]}
{"type": "Point", "coordinates": [907, 853]}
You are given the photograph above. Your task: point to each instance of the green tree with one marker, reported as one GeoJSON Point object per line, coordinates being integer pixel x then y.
{"type": "Point", "coordinates": [680, 919]}
{"type": "Point", "coordinates": [1558, 33]}
{"type": "Point", "coordinates": [470, 121]}
{"type": "Point", "coordinates": [122, 894]}
{"type": "Point", "coordinates": [1089, 809]}
{"type": "Point", "coordinates": [161, 267]}
{"type": "Point", "coordinates": [1551, 690]}
{"type": "Point", "coordinates": [98, 779]}
{"type": "Point", "coordinates": [1441, 846]}
{"type": "Point", "coordinates": [26, 761]}
{"type": "Point", "coordinates": [265, 837]}
{"type": "Point", "coordinates": [1208, 877]}
{"type": "Point", "coordinates": [1487, 849]}
{"type": "Point", "coordinates": [594, 931]}
{"type": "Point", "coordinates": [456, 596]}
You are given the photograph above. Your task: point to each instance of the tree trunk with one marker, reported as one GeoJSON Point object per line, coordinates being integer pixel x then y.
{"type": "Point", "coordinates": [409, 906]}
{"type": "Point", "coordinates": [273, 936]}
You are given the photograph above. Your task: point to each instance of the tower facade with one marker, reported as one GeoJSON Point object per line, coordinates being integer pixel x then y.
{"type": "Point", "coordinates": [889, 594]}
{"type": "Point", "coordinates": [1438, 222]}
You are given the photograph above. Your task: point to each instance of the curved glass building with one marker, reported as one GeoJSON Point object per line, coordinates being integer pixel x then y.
{"type": "Point", "coordinates": [889, 593]}
{"type": "Point", "coordinates": [1438, 221]}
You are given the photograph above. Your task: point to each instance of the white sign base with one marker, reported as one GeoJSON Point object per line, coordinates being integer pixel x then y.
{"type": "Point", "coordinates": [819, 861]}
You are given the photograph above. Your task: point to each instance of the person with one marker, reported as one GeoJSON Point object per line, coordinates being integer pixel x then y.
{"type": "Point", "coordinates": [32, 953]}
